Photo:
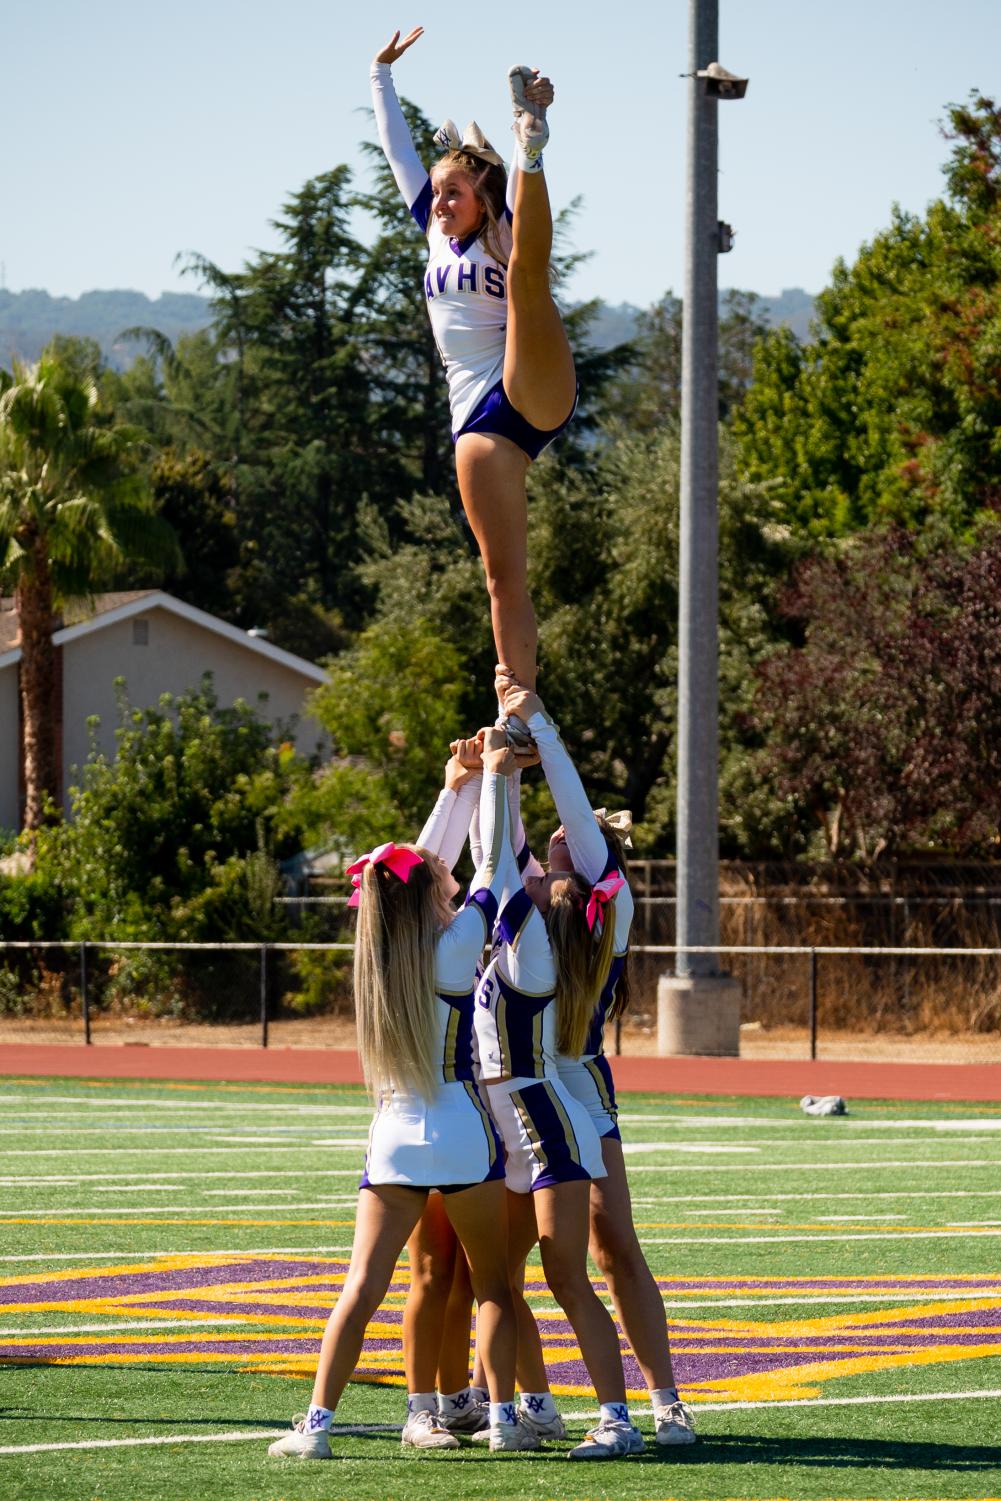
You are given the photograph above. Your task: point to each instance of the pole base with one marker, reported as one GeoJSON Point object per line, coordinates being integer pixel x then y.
{"type": "Point", "coordinates": [698, 1014]}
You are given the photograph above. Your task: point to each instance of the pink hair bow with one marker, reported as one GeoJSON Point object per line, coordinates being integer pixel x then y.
{"type": "Point", "coordinates": [601, 893]}
{"type": "Point", "coordinates": [400, 861]}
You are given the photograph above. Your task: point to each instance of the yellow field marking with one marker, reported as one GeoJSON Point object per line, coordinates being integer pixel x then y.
{"type": "Point", "coordinates": [788, 1384]}
{"type": "Point", "coordinates": [822, 1225]}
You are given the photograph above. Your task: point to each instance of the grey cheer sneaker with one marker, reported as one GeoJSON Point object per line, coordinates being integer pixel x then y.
{"type": "Point", "coordinates": [473, 1419]}
{"type": "Point", "coordinates": [610, 1440]}
{"type": "Point", "coordinates": [544, 1427]}
{"type": "Point", "coordinates": [302, 1445]}
{"type": "Point", "coordinates": [513, 1438]}
{"type": "Point", "coordinates": [675, 1424]}
{"type": "Point", "coordinates": [424, 1430]}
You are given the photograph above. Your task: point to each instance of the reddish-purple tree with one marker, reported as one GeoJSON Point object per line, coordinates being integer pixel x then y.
{"type": "Point", "coordinates": [884, 724]}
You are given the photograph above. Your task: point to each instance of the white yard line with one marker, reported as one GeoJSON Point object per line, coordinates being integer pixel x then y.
{"type": "Point", "coordinates": [267, 1172]}
{"type": "Point", "coordinates": [144, 1102]}
{"type": "Point", "coordinates": [698, 1407]}
{"type": "Point", "coordinates": [10, 1215]}
{"type": "Point", "coordinates": [817, 1237]}
{"type": "Point", "coordinates": [189, 1438]}
{"type": "Point", "coordinates": [797, 1122]}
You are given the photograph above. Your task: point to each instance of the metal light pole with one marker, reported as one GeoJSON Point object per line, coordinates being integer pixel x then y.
{"type": "Point", "coordinates": [698, 1009]}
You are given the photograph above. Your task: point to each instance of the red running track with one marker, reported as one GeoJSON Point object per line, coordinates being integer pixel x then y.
{"type": "Point", "coordinates": [684, 1076]}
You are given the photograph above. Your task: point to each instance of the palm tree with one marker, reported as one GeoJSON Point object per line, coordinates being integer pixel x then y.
{"type": "Point", "coordinates": [72, 504]}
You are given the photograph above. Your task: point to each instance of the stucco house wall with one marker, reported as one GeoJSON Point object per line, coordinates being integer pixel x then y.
{"type": "Point", "coordinates": [156, 652]}
{"type": "Point", "coordinates": [157, 645]}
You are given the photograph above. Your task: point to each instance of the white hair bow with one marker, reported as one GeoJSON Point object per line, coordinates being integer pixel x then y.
{"type": "Point", "coordinates": [472, 141]}
{"type": "Point", "coordinates": [622, 821]}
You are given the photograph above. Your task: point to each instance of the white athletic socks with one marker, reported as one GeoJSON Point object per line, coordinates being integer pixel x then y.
{"type": "Point", "coordinates": [451, 1404]}
{"type": "Point", "coordinates": [614, 1412]}
{"type": "Point", "coordinates": [528, 162]}
{"type": "Point", "coordinates": [479, 1393]}
{"type": "Point", "coordinates": [318, 1419]}
{"type": "Point", "coordinates": [663, 1396]}
{"type": "Point", "coordinates": [421, 1402]}
{"type": "Point", "coordinates": [539, 1405]}
{"type": "Point", "coordinates": [503, 1412]}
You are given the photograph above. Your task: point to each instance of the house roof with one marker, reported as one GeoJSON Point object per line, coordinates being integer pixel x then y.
{"type": "Point", "coordinates": [83, 618]}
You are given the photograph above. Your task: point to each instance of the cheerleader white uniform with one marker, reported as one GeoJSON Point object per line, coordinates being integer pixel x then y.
{"type": "Point", "coordinates": [465, 288]}
{"type": "Point", "coordinates": [449, 1141]}
{"type": "Point", "coordinates": [589, 1077]}
{"type": "Point", "coordinates": [548, 1135]}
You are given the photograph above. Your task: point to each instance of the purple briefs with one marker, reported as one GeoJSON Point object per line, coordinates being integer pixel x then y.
{"type": "Point", "coordinates": [494, 413]}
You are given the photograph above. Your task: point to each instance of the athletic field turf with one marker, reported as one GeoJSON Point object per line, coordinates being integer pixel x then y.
{"type": "Point", "coordinates": [169, 1253]}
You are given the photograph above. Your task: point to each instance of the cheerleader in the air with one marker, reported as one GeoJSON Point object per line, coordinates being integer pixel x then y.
{"type": "Point", "coordinates": [510, 371]}
{"type": "Point", "coordinates": [415, 970]}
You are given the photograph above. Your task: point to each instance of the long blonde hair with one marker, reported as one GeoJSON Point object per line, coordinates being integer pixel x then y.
{"type": "Point", "coordinates": [582, 959]}
{"type": "Point", "coordinates": [623, 989]}
{"type": "Point", "coordinates": [394, 977]}
{"type": "Point", "coordinates": [489, 183]}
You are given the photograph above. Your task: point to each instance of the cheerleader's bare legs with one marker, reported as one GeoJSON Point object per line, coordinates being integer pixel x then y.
{"type": "Point", "coordinates": [541, 385]}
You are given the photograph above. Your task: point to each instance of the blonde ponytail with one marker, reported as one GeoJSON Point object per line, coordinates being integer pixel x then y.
{"type": "Point", "coordinates": [394, 978]}
{"type": "Point", "coordinates": [582, 959]}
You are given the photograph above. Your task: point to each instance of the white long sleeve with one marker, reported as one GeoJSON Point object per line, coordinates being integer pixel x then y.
{"type": "Point", "coordinates": [527, 863]}
{"type": "Point", "coordinates": [397, 143]}
{"type": "Point", "coordinates": [447, 827]}
{"type": "Point", "coordinates": [585, 841]}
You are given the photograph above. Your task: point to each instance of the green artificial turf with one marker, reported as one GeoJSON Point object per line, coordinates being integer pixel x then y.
{"type": "Point", "coordinates": [744, 1207]}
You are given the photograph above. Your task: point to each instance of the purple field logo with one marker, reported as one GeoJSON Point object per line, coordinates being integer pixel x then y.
{"type": "Point", "coordinates": [266, 1314]}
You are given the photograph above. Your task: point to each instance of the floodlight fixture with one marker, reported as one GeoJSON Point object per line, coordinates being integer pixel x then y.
{"type": "Point", "coordinates": [719, 84]}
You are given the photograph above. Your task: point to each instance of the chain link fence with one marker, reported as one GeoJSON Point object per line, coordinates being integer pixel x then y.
{"type": "Point", "coordinates": [922, 1003]}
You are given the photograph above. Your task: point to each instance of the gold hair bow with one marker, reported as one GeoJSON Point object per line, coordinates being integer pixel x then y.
{"type": "Point", "coordinates": [472, 141]}
{"type": "Point", "coordinates": [622, 821]}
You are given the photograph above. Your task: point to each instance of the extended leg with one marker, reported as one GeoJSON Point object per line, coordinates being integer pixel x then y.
{"type": "Point", "coordinates": [479, 1219]}
{"type": "Point", "coordinates": [618, 1256]}
{"type": "Point", "coordinates": [539, 373]}
{"type": "Point", "coordinates": [386, 1216]}
{"type": "Point", "coordinates": [491, 473]}
{"type": "Point", "coordinates": [562, 1217]}
{"type": "Point", "coordinates": [432, 1260]}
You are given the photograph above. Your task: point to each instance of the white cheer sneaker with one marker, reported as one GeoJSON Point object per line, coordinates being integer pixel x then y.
{"type": "Point", "coordinates": [512, 1438]}
{"type": "Point", "coordinates": [424, 1430]}
{"type": "Point", "coordinates": [530, 127]}
{"type": "Point", "coordinates": [610, 1440]}
{"type": "Point", "coordinates": [675, 1424]}
{"type": "Point", "coordinates": [302, 1445]}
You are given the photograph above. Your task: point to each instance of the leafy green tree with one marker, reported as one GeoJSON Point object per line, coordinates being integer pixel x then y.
{"type": "Point", "coordinates": [646, 396]}
{"type": "Point", "coordinates": [390, 708]}
{"type": "Point", "coordinates": [72, 506]}
{"type": "Point", "coordinates": [892, 413]}
{"type": "Point", "coordinates": [166, 837]}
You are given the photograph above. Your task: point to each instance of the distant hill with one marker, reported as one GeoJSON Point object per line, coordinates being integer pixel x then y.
{"type": "Point", "coordinates": [792, 308]}
{"type": "Point", "coordinates": [28, 320]}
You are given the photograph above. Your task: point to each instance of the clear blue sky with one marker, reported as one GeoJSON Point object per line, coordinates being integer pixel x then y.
{"type": "Point", "coordinates": [134, 131]}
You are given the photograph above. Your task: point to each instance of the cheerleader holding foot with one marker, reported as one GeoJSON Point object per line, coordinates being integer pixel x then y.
{"type": "Point", "coordinates": [510, 371]}
{"type": "Point", "coordinates": [415, 971]}
{"type": "Point", "coordinates": [589, 909]}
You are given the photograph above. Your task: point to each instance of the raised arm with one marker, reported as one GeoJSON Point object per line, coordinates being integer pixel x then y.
{"type": "Point", "coordinates": [447, 827]}
{"type": "Point", "coordinates": [585, 840]}
{"type": "Point", "coordinates": [394, 133]}
{"type": "Point", "coordinates": [497, 876]}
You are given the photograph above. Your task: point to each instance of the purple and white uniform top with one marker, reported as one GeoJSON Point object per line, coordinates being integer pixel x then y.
{"type": "Point", "coordinates": [449, 1139]}
{"type": "Point", "coordinates": [465, 287]}
{"type": "Point", "coordinates": [589, 1077]}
